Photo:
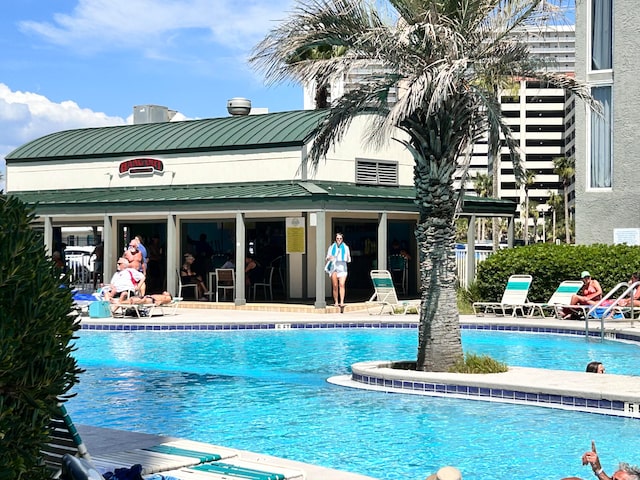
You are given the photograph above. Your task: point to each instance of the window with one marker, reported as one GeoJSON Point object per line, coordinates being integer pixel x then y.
{"type": "Point", "coordinates": [600, 159]}
{"type": "Point", "coordinates": [601, 18]}
{"type": "Point", "coordinates": [374, 172]}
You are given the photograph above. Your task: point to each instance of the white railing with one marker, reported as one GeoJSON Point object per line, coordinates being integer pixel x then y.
{"type": "Point", "coordinates": [461, 264]}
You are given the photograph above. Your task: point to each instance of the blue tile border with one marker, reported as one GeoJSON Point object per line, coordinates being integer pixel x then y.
{"type": "Point", "coordinates": [601, 406]}
{"type": "Point", "coordinates": [351, 325]}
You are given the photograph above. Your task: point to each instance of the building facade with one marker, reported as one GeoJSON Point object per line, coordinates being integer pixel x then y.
{"type": "Point", "coordinates": [607, 174]}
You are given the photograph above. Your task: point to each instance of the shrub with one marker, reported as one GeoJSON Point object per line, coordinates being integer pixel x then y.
{"type": "Point", "coordinates": [551, 264]}
{"type": "Point", "coordinates": [473, 363]}
{"type": "Point", "coordinates": [36, 328]}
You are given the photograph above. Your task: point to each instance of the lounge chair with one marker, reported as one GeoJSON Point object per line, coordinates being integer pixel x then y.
{"type": "Point", "coordinates": [514, 298]}
{"type": "Point", "coordinates": [561, 297]}
{"type": "Point", "coordinates": [385, 297]}
{"type": "Point", "coordinates": [65, 439]}
{"type": "Point", "coordinates": [164, 457]}
{"type": "Point", "coordinates": [237, 468]}
{"type": "Point", "coordinates": [120, 310]}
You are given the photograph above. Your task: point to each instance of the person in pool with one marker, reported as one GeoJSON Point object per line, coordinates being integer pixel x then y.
{"type": "Point", "coordinates": [595, 367]}
{"type": "Point", "coordinates": [624, 472]}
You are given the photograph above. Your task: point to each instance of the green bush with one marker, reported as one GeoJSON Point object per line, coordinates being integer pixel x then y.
{"type": "Point", "coordinates": [551, 264]}
{"type": "Point", "coordinates": [36, 328]}
{"type": "Point", "coordinates": [473, 363]}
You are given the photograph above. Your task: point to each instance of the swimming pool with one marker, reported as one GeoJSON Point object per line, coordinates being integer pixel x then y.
{"type": "Point", "coordinates": [266, 391]}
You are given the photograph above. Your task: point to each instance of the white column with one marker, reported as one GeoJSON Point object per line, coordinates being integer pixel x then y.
{"type": "Point", "coordinates": [48, 235]}
{"type": "Point", "coordinates": [471, 251]}
{"type": "Point", "coordinates": [109, 255]}
{"type": "Point", "coordinates": [174, 256]}
{"type": "Point", "coordinates": [321, 229]}
{"type": "Point", "coordinates": [241, 235]}
{"type": "Point", "coordinates": [383, 238]}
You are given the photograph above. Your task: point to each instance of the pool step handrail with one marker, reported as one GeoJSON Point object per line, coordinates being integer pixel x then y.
{"type": "Point", "coordinates": [629, 291]}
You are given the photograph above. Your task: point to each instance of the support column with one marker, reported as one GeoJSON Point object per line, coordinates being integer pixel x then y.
{"type": "Point", "coordinates": [511, 231]}
{"type": "Point", "coordinates": [109, 254]}
{"type": "Point", "coordinates": [471, 251]}
{"type": "Point", "coordinates": [321, 232]}
{"type": "Point", "coordinates": [241, 239]}
{"type": "Point", "coordinates": [48, 236]}
{"type": "Point", "coordinates": [174, 256]}
{"type": "Point", "coordinates": [383, 238]}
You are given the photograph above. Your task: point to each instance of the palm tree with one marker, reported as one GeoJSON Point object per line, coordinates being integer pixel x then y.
{"type": "Point", "coordinates": [436, 53]}
{"type": "Point", "coordinates": [483, 186]}
{"type": "Point", "coordinates": [527, 182]}
{"type": "Point", "coordinates": [556, 202]}
{"type": "Point", "coordinates": [565, 168]}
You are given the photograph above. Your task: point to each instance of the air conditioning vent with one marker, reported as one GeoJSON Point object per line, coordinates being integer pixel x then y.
{"type": "Point", "coordinates": [375, 172]}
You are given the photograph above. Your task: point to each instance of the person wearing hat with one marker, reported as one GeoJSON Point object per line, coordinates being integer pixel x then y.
{"type": "Point", "coordinates": [589, 294]}
{"type": "Point", "coordinates": [446, 473]}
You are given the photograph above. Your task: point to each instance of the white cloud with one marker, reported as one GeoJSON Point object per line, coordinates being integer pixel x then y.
{"type": "Point", "coordinates": [154, 25]}
{"type": "Point", "coordinates": [26, 116]}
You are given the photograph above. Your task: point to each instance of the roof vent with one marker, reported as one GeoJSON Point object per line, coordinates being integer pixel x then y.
{"type": "Point", "coordinates": [239, 106]}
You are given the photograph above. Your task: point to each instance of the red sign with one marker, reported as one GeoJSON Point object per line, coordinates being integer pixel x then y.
{"type": "Point", "coordinates": [141, 166]}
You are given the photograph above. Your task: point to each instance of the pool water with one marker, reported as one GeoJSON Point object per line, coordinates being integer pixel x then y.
{"type": "Point", "coordinates": [266, 391]}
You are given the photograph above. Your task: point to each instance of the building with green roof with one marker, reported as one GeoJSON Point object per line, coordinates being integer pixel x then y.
{"type": "Point", "coordinates": [230, 186]}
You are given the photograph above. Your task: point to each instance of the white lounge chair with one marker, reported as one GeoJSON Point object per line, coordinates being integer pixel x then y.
{"type": "Point", "coordinates": [385, 297]}
{"type": "Point", "coordinates": [514, 298]}
{"type": "Point", "coordinates": [562, 296]}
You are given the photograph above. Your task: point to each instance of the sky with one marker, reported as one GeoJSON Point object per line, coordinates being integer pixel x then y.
{"type": "Point", "coordinates": [68, 64]}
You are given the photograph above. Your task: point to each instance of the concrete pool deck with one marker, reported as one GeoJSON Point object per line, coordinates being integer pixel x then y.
{"type": "Point", "coordinates": [607, 394]}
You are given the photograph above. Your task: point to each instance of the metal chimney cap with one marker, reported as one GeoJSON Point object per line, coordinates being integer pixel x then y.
{"type": "Point", "coordinates": [239, 106]}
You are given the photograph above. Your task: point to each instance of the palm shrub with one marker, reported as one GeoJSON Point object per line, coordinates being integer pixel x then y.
{"type": "Point", "coordinates": [551, 264]}
{"type": "Point", "coordinates": [36, 330]}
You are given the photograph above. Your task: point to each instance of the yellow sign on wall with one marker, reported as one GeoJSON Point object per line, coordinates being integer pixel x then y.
{"type": "Point", "coordinates": [295, 235]}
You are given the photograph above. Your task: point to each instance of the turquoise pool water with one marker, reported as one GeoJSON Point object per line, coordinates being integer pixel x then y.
{"type": "Point", "coordinates": [266, 391]}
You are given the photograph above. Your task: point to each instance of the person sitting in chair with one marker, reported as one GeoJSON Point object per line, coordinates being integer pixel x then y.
{"type": "Point", "coordinates": [189, 277]}
{"type": "Point", "coordinates": [124, 283]}
{"type": "Point", "coordinates": [590, 294]}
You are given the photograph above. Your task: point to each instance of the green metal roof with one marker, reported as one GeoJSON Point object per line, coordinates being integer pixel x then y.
{"type": "Point", "coordinates": [214, 134]}
{"type": "Point", "coordinates": [246, 196]}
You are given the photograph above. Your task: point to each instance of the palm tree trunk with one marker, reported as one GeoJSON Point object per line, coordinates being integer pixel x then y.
{"type": "Point", "coordinates": [567, 236]}
{"type": "Point", "coordinates": [439, 343]}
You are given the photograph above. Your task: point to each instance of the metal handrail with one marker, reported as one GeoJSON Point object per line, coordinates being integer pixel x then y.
{"type": "Point", "coordinates": [630, 289]}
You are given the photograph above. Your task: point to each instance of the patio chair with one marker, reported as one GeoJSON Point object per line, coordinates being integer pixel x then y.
{"type": "Point", "coordinates": [514, 298]}
{"type": "Point", "coordinates": [385, 297]}
{"type": "Point", "coordinates": [182, 286]}
{"type": "Point", "coordinates": [266, 284]}
{"type": "Point", "coordinates": [225, 282]}
{"type": "Point", "coordinates": [561, 297]}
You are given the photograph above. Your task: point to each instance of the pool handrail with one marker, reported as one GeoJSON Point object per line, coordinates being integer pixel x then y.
{"type": "Point", "coordinates": [630, 288]}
